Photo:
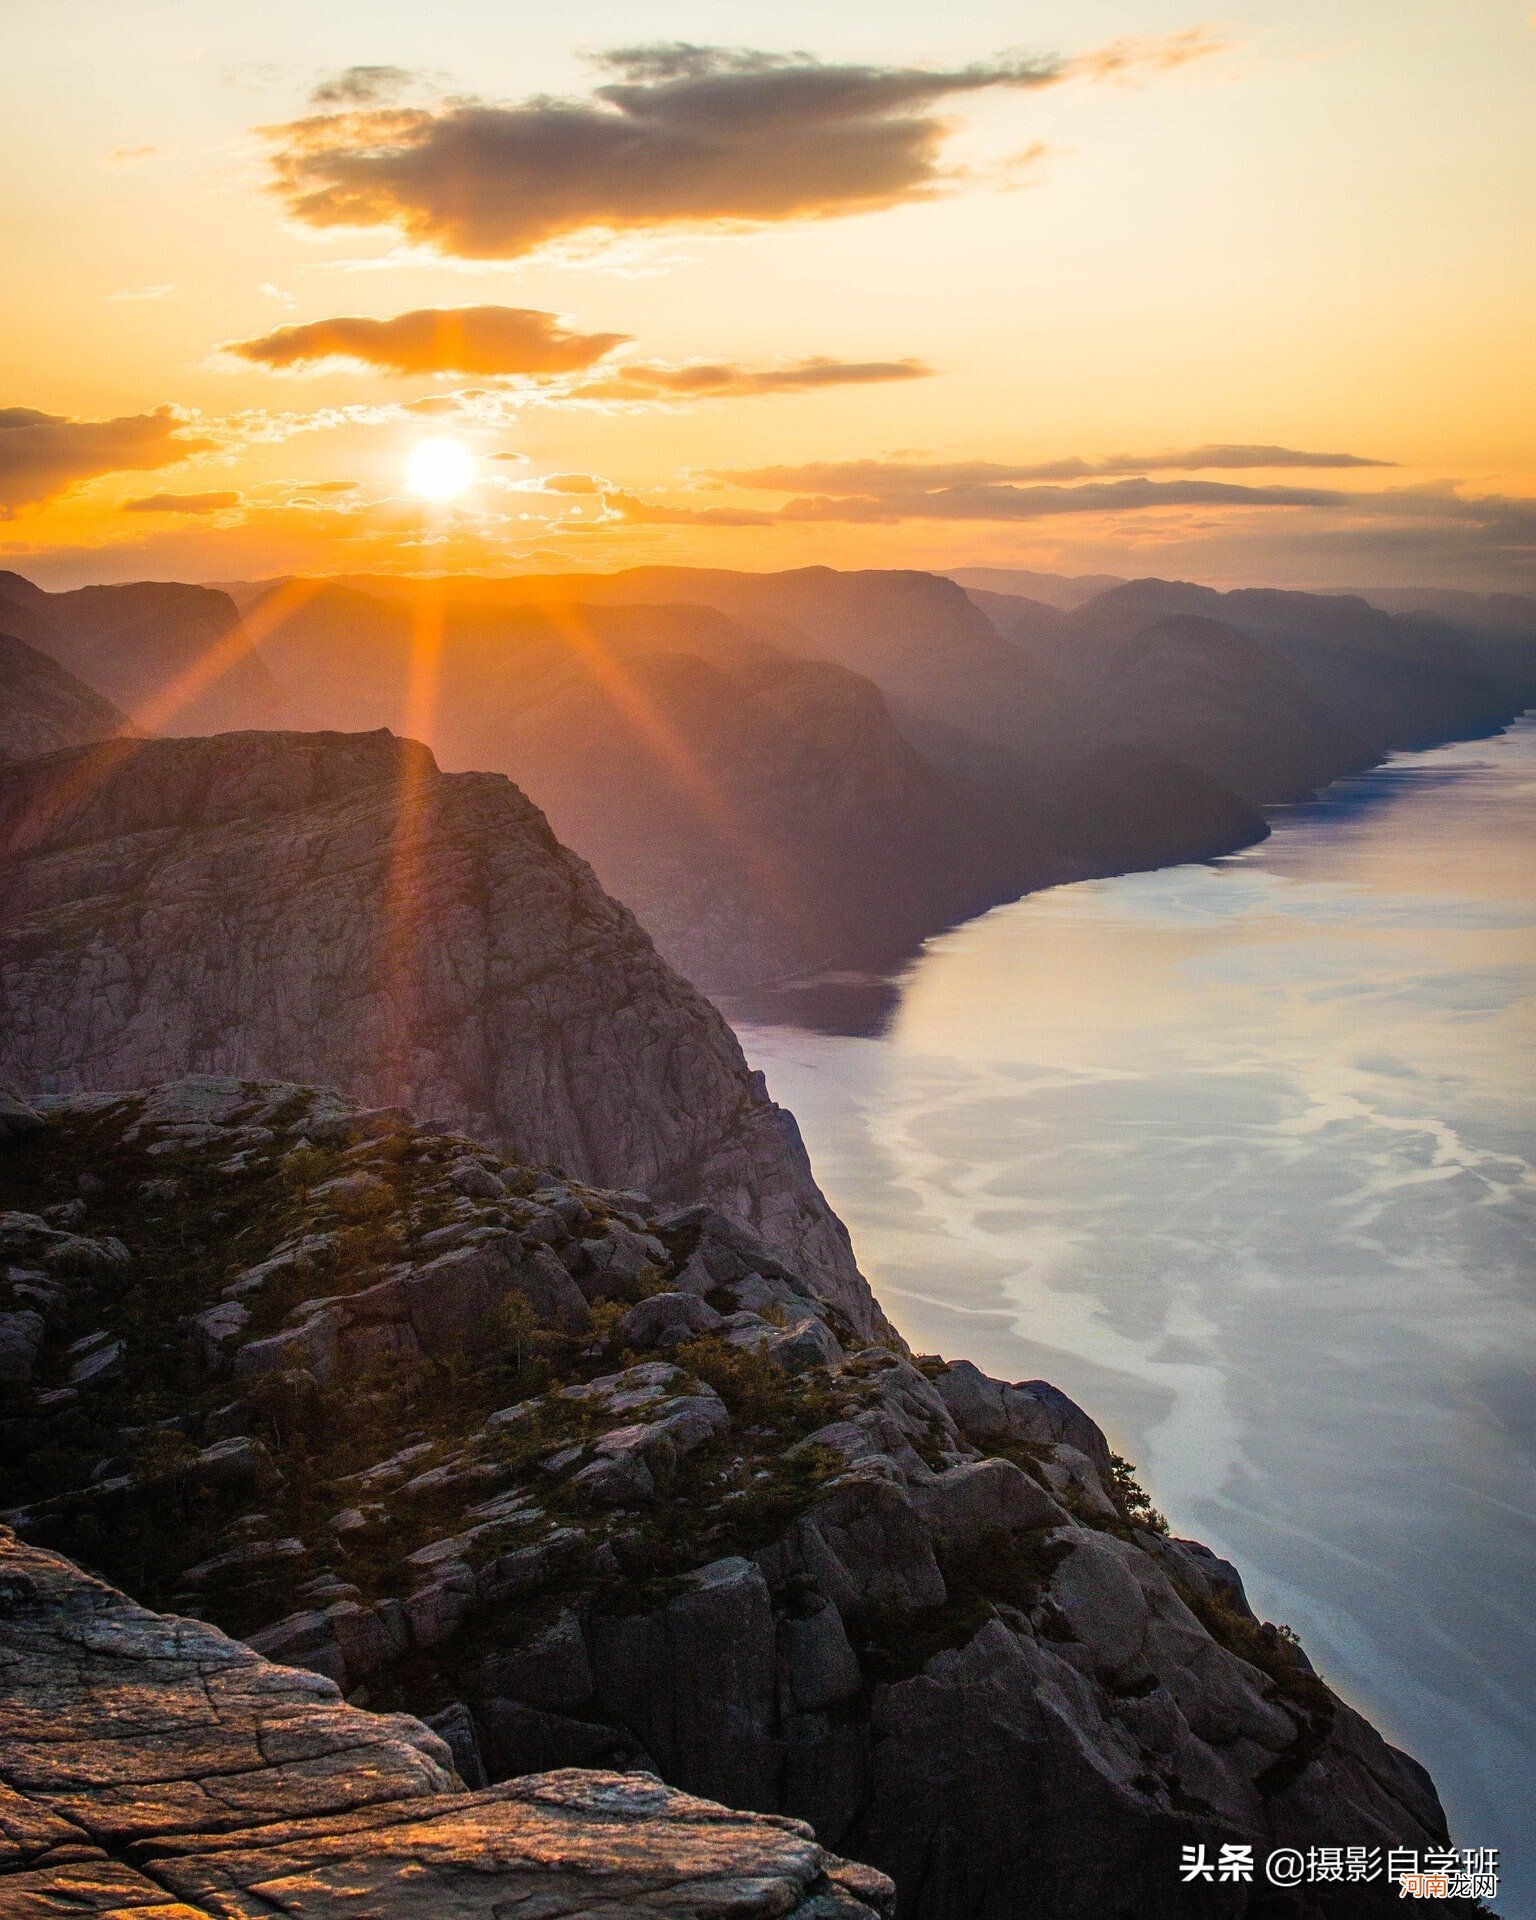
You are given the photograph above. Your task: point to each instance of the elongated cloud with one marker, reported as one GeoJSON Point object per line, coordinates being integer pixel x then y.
{"type": "Point", "coordinates": [684, 135]}
{"type": "Point", "coordinates": [484, 340]}
{"type": "Point", "coordinates": [182, 503]}
{"type": "Point", "coordinates": [42, 454]}
{"type": "Point", "coordinates": [886, 492]}
{"type": "Point", "coordinates": [362, 86]}
{"type": "Point", "coordinates": [727, 379]}
{"type": "Point", "coordinates": [845, 479]}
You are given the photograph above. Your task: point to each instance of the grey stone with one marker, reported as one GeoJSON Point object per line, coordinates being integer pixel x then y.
{"type": "Point", "coordinates": [967, 1502]}
{"type": "Point", "coordinates": [455, 1726]}
{"type": "Point", "coordinates": [666, 1319]}
{"type": "Point", "coordinates": [21, 1334]}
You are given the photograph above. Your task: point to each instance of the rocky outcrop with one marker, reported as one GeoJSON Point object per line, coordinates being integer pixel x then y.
{"type": "Point", "coordinates": [151, 1766]}
{"type": "Point", "coordinates": [332, 908]}
{"type": "Point", "coordinates": [596, 1482]}
{"type": "Point", "coordinates": [43, 708]}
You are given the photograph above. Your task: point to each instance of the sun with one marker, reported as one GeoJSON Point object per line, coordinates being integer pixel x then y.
{"type": "Point", "coordinates": [440, 469]}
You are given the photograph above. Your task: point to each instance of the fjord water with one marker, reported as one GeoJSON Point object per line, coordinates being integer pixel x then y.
{"type": "Point", "coordinates": [1241, 1156]}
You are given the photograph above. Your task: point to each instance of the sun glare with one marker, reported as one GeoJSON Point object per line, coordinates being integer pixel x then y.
{"type": "Point", "coordinates": [439, 469]}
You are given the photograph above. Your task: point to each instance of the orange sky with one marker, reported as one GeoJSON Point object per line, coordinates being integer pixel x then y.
{"type": "Point", "coordinates": [1114, 285]}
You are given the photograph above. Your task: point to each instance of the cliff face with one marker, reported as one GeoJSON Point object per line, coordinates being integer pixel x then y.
{"type": "Point", "coordinates": [153, 1767]}
{"type": "Point", "coordinates": [43, 708]}
{"type": "Point", "coordinates": [175, 656]}
{"type": "Point", "coordinates": [334, 907]}
{"type": "Point", "coordinates": [597, 1482]}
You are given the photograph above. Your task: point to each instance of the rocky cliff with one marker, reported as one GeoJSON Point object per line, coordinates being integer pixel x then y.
{"type": "Point", "coordinates": [43, 708]}
{"type": "Point", "coordinates": [334, 907]}
{"type": "Point", "coordinates": [594, 1481]}
{"type": "Point", "coordinates": [153, 1767]}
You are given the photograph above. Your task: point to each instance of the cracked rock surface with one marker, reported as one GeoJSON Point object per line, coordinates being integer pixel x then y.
{"type": "Point", "coordinates": [594, 1481]}
{"type": "Point", "coordinates": [151, 1766]}
{"type": "Point", "coordinates": [331, 907]}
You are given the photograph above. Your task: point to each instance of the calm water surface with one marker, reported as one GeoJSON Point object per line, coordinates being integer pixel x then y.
{"type": "Point", "coordinates": [1241, 1156]}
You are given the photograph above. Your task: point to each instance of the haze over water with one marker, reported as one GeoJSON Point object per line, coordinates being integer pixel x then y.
{"type": "Point", "coordinates": [1241, 1156]}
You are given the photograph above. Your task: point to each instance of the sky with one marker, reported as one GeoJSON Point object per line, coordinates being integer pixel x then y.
{"type": "Point", "coordinates": [1244, 294]}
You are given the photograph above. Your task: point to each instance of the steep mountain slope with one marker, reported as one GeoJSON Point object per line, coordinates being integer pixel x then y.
{"type": "Point", "coordinates": [43, 708]}
{"type": "Point", "coordinates": [917, 636]}
{"type": "Point", "coordinates": [1018, 619]}
{"type": "Point", "coordinates": [594, 1481]}
{"type": "Point", "coordinates": [1512, 614]}
{"type": "Point", "coordinates": [1063, 590]}
{"type": "Point", "coordinates": [761, 813]}
{"type": "Point", "coordinates": [175, 658]}
{"type": "Point", "coordinates": [1390, 681]}
{"type": "Point", "coordinates": [333, 906]}
{"type": "Point", "coordinates": [1205, 694]}
{"type": "Point", "coordinates": [274, 1784]}
{"type": "Point", "coordinates": [988, 718]}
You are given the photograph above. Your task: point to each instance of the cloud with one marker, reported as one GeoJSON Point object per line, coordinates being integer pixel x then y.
{"type": "Point", "coordinates": [724, 379]}
{"type": "Point", "coordinates": [491, 340]}
{"type": "Point", "coordinates": [1133, 60]}
{"type": "Point", "coordinates": [682, 135]}
{"type": "Point", "coordinates": [636, 512]}
{"type": "Point", "coordinates": [42, 454]}
{"type": "Point", "coordinates": [182, 503]}
{"type": "Point", "coordinates": [156, 292]}
{"type": "Point", "coordinates": [886, 492]}
{"type": "Point", "coordinates": [362, 86]}
{"type": "Point", "coordinates": [847, 478]}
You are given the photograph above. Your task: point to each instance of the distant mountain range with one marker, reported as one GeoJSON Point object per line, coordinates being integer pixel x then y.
{"type": "Point", "coordinates": [794, 778]}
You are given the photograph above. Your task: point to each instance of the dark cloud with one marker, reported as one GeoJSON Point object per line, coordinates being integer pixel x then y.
{"type": "Point", "coordinates": [847, 478]}
{"type": "Point", "coordinates": [504, 340]}
{"type": "Point", "coordinates": [182, 503]}
{"type": "Point", "coordinates": [725, 379]}
{"type": "Point", "coordinates": [885, 492]}
{"type": "Point", "coordinates": [683, 134]}
{"type": "Point", "coordinates": [362, 86]}
{"type": "Point", "coordinates": [991, 502]}
{"type": "Point", "coordinates": [41, 454]}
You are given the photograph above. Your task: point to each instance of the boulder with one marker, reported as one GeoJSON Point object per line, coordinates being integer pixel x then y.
{"type": "Point", "coordinates": [966, 1503]}
{"type": "Point", "coordinates": [665, 1320]}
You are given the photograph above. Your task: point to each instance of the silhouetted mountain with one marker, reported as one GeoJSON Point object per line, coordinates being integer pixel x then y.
{"type": "Point", "coordinates": [916, 635]}
{"type": "Point", "coordinates": [1201, 692]}
{"type": "Point", "coordinates": [1512, 614]}
{"type": "Point", "coordinates": [1064, 590]}
{"type": "Point", "coordinates": [175, 658]}
{"type": "Point", "coordinates": [762, 813]}
{"type": "Point", "coordinates": [1390, 681]}
{"type": "Point", "coordinates": [1017, 619]}
{"type": "Point", "coordinates": [43, 708]}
